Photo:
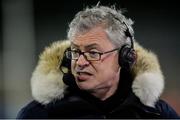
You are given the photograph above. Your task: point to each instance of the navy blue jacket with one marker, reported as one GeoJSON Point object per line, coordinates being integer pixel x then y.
{"type": "Point", "coordinates": [80, 104]}
{"type": "Point", "coordinates": [74, 106]}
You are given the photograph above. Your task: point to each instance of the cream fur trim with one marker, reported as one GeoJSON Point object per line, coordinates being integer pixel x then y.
{"type": "Point", "coordinates": [46, 81]}
{"type": "Point", "coordinates": [148, 82]}
{"type": "Point", "coordinates": [148, 87]}
{"type": "Point", "coordinates": [47, 84]}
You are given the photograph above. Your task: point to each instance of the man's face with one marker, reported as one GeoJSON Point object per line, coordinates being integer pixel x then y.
{"type": "Point", "coordinates": [94, 75]}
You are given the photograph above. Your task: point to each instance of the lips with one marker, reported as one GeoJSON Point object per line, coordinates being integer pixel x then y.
{"type": "Point", "coordinates": [83, 73]}
{"type": "Point", "coordinates": [81, 76]}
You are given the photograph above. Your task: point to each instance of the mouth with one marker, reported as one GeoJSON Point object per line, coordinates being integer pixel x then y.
{"type": "Point", "coordinates": [83, 73]}
{"type": "Point", "coordinates": [82, 76]}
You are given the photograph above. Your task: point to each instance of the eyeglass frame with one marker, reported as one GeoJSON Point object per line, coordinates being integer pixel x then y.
{"type": "Point", "coordinates": [85, 56]}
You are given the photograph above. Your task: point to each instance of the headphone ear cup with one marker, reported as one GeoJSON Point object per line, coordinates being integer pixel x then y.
{"type": "Point", "coordinates": [127, 57]}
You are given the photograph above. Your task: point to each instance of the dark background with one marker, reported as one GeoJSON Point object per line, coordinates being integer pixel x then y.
{"type": "Point", "coordinates": [28, 26]}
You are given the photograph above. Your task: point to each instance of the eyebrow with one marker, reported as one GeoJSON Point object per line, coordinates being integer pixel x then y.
{"type": "Point", "coordinates": [87, 46]}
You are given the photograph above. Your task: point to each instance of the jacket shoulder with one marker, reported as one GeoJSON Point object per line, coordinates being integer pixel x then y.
{"type": "Point", "coordinates": [32, 110]}
{"type": "Point", "coordinates": [166, 110]}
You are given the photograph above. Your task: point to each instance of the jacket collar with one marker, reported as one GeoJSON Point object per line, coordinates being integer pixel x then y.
{"type": "Point", "coordinates": [47, 83]}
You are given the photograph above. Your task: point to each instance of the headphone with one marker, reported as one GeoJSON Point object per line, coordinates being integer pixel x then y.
{"type": "Point", "coordinates": [127, 54]}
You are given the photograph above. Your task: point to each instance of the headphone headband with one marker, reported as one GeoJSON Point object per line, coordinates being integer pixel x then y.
{"type": "Point", "coordinates": [128, 34]}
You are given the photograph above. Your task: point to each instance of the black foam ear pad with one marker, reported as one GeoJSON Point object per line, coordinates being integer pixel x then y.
{"type": "Point", "coordinates": [127, 57]}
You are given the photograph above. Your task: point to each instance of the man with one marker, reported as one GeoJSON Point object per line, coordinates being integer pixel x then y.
{"type": "Point", "coordinates": [105, 74]}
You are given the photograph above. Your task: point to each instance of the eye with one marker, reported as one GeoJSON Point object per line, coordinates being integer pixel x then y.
{"type": "Point", "coordinates": [76, 51]}
{"type": "Point", "coordinates": [74, 54]}
{"type": "Point", "coordinates": [94, 54]}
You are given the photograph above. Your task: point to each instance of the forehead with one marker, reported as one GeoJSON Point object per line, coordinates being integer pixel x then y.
{"type": "Point", "coordinates": [95, 37]}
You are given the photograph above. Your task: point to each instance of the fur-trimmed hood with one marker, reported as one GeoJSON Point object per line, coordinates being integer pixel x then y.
{"type": "Point", "coordinates": [47, 83]}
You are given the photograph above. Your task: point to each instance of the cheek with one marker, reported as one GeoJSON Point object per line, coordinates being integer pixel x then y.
{"type": "Point", "coordinates": [72, 66]}
{"type": "Point", "coordinates": [110, 64]}
{"type": "Point", "coordinates": [107, 69]}
{"type": "Point", "coordinates": [110, 67]}
{"type": "Point", "coordinates": [116, 65]}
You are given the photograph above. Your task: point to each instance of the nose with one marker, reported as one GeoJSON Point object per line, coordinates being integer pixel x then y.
{"type": "Point", "coordinates": [82, 61]}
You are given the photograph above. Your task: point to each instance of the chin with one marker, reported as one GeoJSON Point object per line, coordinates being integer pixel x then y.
{"type": "Point", "coordinates": [84, 86]}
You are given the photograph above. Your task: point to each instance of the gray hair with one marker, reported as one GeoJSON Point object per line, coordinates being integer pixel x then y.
{"type": "Point", "coordinates": [113, 20]}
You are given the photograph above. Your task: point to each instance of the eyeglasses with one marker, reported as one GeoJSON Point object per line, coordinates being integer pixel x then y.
{"type": "Point", "coordinates": [90, 56]}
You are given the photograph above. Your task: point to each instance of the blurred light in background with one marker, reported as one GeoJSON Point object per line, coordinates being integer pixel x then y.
{"type": "Point", "coordinates": [18, 53]}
